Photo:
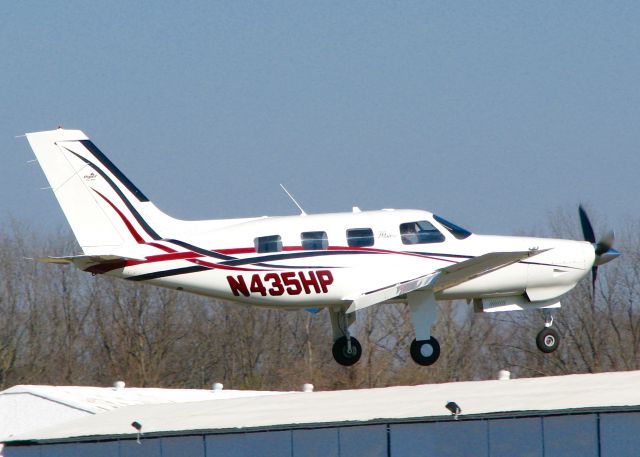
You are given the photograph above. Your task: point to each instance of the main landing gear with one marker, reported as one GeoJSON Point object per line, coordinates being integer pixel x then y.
{"type": "Point", "coordinates": [548, 339]}
{"type": "Point", "coordinates": [346, 352]}
{"type": "Point", "coordinates": [424, 350]}
{"type": "Point", "coordinates": [346, 349]}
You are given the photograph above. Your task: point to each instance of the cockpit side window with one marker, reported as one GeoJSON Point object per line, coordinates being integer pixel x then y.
{"type": "Point", "coordinates": [420, 232]}
{"type": "Point", "coordinates": [454, 229]}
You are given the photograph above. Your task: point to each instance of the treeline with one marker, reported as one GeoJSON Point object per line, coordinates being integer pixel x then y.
{"type": "Point", "coordinates": [65, 327]}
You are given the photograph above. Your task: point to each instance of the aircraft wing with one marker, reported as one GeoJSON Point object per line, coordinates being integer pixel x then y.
{"type": "Point", "coordinates": [442, 278]}
{"type": "Point", "coordinates": [478, 266]}
{"type": "Point", "coordinates": [91, 263]}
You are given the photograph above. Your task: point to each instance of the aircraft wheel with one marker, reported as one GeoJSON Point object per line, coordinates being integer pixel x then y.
{"type": "Point", "coordinates": [425, 352]}
{"type": "Point", "coordinates": [548, 340]}
{"type": "Point", "coordinates": [341, 352]}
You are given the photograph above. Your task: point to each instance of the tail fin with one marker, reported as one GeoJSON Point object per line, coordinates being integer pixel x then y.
{"type": "Point", "coordinates": [105, 209]}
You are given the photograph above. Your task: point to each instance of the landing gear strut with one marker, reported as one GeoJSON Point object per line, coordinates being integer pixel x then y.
{"type": "Point", "coordinates": [346, 349]}
{"type": "Point", "coordinates": [548, 339]}
{"type": "Point", "coordinates": [425, 349]}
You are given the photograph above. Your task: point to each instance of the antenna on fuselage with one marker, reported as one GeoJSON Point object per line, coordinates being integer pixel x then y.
{"type": "Point", "coordinates": [302, 213]}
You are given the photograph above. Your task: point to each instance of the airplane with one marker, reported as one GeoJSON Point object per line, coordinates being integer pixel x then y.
{"type": "Point", "coordinates": [344, 262]}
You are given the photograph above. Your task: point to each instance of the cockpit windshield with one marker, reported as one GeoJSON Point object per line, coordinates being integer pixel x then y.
{"type": "Point", "coordinates": [454, 229]}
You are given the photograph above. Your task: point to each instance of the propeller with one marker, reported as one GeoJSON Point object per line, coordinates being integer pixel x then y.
{"type": "Point", "coordinates": [603, 248]}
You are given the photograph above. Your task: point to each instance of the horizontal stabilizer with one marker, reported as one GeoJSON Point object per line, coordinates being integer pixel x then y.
{"type": "Point", "coordinates": [92, 263]}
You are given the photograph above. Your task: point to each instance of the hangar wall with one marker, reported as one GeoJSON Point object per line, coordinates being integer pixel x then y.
{"type": "Point", "coordinates": [603, 434]}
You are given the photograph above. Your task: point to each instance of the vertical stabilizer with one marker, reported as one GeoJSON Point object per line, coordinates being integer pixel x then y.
{"type": "Point", "coordinates": [105, 209]}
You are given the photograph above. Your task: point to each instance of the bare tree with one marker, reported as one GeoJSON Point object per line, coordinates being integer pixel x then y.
{"type": "Point", "coordinates": [60, 325]}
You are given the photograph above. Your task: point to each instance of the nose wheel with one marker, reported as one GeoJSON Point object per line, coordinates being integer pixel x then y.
{"type": "Point", "coordinates": [548, 339]}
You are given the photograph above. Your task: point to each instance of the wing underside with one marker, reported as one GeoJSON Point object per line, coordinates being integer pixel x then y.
{"type": "Point", "coordinates": [441, 279]}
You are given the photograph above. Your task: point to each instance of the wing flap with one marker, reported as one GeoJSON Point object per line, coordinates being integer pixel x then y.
{"type": "Point", "coordinates": [387, 293]}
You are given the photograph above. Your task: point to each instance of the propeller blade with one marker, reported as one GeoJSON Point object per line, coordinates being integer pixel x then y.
{"type": "Point", "coordinates": [587, 228]}
{"type": "Point", "coordinates": [605, 243]}
{"type": "Point", "coordinates": [604, 250]}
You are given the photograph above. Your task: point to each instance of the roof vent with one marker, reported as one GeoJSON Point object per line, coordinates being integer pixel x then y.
{"type": "Point", "coordinates": [118, 385]}
{"type": "Point", "coordinates": [307, 387]}
{"type": "Point", "coordinates": [504, 375]}
{"type": "Point", "coordinates": [217, 386]}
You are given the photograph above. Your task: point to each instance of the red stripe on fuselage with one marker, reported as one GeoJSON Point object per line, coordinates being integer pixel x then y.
{"type": "Point", "coordinates": [232, 251]}
{"type": "Point", "coordinates": [162, 247]}
{"type": "Point", "coordinates": [190, 256]}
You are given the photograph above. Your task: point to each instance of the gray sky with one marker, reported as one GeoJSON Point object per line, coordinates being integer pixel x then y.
{"type": "Point", "coordinates": [493, 114]}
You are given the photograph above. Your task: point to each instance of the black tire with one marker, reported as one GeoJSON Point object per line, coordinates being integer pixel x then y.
{"type": "Point", "coordinates": [417, 353]}
{"type": "Point", "coordinates": [342, 355]}
{"type": "Point", "coordinates": [548, 340]}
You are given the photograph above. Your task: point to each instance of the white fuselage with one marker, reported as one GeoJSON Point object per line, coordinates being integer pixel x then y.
{"type": "Point", "coordinates": [293, 276]}
{"type": "Point", "coordinates": [344, 261]}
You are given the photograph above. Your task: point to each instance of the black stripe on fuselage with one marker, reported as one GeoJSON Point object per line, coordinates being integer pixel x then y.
{"type": "Point", "coordinates": [439, 254]}
{"type": "Point", "coordinates": [146, 227]}
{"type": "Point", "coordinates": [288, 256]}
{"type": "Point", "coordinates": [205, 252]}
{"type": "Point", "coordinates": [166, 273]}
{"type": "Point", "coordinates": [252, 261]}
{"type": "Point", "coordinates": [460, 256]}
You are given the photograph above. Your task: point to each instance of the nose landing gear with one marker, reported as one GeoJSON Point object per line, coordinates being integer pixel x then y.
{"type": "Point", "coordinates": [548, 339]}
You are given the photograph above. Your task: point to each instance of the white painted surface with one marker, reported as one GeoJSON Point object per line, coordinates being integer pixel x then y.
{"type": "Point", "coordinates": [23, 412]}
{"type": "Point", "coordinates": [25, 409]}
{"type": "Point", "coordinates": [479, 397]}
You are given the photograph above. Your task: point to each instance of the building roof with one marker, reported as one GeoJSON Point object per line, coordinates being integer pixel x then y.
{"type": "Point", "coordinates": [100, 399]}
{"type": "Point", "coordinates": [573, 393]}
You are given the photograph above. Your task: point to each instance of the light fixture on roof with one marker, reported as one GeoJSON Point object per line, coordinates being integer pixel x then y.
{"type": "Point", "coordinates": [504, 375]}
{"type": "Point", "coordinates": [138, 426]}
{"type": "Point", "coordinates": [454, 408]}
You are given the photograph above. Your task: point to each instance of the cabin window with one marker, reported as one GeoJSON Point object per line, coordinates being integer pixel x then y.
{"type": "Point", "coordinates": [360, 237]}
{"type": "Point", "coordinates": [420, 232]}
{"type": "Point", "coordinates": [455, 230]}
{"type": "Point", "coordinates": [271, 243]}
{"type": "Point", "coordinates": [314, 240]}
